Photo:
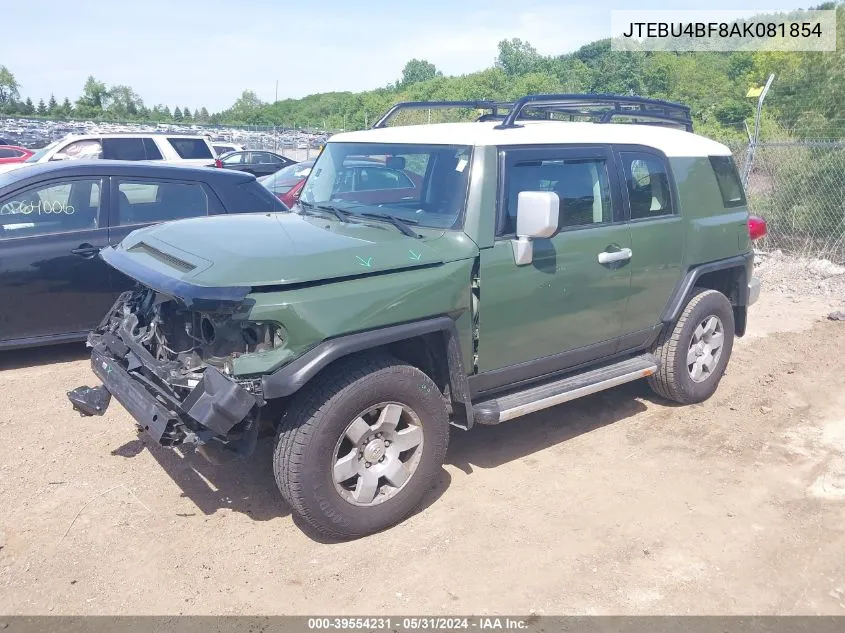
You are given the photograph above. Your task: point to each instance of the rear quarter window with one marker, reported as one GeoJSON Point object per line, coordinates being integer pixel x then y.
{"type": "Point", "coordinates": [730, 185]}
{"type": "Point", "coordinates": [151, 150]}
{"type": "Point", "coordinates": [190, 148]}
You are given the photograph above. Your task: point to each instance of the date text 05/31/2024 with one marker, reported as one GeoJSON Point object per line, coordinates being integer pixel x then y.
{"type": "Point", "coordinates": [418, 623]}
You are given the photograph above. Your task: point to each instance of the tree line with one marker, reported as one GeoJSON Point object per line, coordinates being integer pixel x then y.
{"type": "Point", "coordinates": [804, 101]}
{"type": "Point", "coordinates": [97, 101]}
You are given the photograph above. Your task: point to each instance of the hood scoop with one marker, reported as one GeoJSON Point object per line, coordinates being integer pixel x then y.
{"type": "Point", "coordinates": [165, 258]}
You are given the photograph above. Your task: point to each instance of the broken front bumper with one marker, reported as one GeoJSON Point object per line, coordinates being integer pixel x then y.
{"type": "Point", "coordinates": [217, 408]}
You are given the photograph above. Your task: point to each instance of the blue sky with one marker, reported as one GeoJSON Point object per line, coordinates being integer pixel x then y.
{"type": "Point", "coordinates": [206, 52]}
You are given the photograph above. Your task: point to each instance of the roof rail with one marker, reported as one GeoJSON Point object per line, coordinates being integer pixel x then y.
{"type": "Point", "coordinates": [493, 106]}
{"type": "Point", "coordinates": [605, 107]}
{"type": "Point", "coordinates": [602, 108]}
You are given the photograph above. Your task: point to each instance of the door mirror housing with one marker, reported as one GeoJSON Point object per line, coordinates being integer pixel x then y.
{"type": "Point", "coordinates": [537, 215]}
{"type": "Point", "coordinates": [60, 156]}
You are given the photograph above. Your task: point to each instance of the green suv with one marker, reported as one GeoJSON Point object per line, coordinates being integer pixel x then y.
{"type": "Point", "coordinates": [433, 275]}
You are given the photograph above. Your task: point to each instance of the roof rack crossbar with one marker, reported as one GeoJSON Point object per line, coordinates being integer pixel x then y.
{"type": "Point", "coordinates": [619, 106]}
{"type": "Point", "coordinates": [493, 106]}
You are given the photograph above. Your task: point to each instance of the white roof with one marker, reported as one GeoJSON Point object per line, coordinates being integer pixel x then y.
{"type": "Point", "coordinates": [670, 141]}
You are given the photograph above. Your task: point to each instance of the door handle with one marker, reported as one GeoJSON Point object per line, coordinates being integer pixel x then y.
{"type": "Point", "coordinates": [85, 250]}
{"type": "Point", "coordinates": [623, 254]}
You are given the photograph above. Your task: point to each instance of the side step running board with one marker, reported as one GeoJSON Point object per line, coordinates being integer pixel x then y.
{"type": "Point", "coordinates": [514, 405]}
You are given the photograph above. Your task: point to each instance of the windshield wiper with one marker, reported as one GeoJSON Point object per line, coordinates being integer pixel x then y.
{"type": "Point", "coordinates": [340, 214]}
{"type": "Point", "coordinates": [401, 224]}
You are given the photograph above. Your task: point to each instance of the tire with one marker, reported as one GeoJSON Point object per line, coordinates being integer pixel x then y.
{"type": "Point", "coordinates": [315, 431]}
{"type": "Point", "coordinates": [675, 379]}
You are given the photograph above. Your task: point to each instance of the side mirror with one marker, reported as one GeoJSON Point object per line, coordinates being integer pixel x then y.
{"type": "Point", "coordinates": [536, 216]}
{"type": "Point", "coordinates": [60, 156]}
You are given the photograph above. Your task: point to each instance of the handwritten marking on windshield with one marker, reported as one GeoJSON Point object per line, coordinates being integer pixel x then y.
{"type": "Point", "coordinates": [415, 256]}
{"type": "Point", "coordinates": [368, 263]}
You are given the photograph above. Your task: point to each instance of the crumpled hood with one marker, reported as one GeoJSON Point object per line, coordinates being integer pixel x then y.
{"type": "Point", "coordinates": [272, 249]}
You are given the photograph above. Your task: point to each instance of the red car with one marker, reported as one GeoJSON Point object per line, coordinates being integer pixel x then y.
{"type": "Point", "coordinates": [288, 181]}
{"type": "Point", "coordinates": [14, 154]}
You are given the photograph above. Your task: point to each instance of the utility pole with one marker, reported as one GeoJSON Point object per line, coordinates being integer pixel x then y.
{"type": "Point", "coordinates": [275, 136]}
{"type": "Point", "coordinates": [749, 157]}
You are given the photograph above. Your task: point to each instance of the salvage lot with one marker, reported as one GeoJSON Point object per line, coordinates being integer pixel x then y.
{"type": "Point", "coordinates": [618, 503]}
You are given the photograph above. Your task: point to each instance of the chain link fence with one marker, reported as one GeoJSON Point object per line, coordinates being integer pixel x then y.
{"type": "Point", "coordinates": [799, 188]}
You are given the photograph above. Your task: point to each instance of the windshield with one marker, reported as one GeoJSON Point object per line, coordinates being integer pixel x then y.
{"type": "Point", "coordinates": [425, 184]}
{"type": "Point", "coordinates": [40, 153]}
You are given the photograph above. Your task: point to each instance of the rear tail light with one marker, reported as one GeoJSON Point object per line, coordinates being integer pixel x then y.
{"type": "Point", "coordinates": [756, 227]}
{"type": "Point", "coordinates": [218, 163]}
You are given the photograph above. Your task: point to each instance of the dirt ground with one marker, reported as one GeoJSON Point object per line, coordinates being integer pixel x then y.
{"type": "Point", "coordinates": [614, 504]}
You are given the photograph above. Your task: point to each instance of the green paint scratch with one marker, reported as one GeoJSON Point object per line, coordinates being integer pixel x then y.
{"type": "Point", "coordinates": [415, 256]}
{"type": "Point", "coordinates": [365, 262]}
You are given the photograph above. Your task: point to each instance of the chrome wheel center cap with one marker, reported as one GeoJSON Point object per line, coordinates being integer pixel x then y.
{"type": "Point", "coordinates": [374, 450]}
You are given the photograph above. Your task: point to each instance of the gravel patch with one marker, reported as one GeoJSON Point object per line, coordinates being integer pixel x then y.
{"type": "Point", "coordinates": [793, 275]}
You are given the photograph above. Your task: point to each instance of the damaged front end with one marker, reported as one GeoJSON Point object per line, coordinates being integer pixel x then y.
{"type": "Point", "coordinates": [169, 363]}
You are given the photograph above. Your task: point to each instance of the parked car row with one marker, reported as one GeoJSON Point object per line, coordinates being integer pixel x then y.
{"type": "Point", "coordinates": [37, 133]}
{"type": "Point", "coordinates": [55, 218]}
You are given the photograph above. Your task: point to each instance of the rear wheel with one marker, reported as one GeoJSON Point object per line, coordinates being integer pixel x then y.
{"type": "Point", "coordinates": [694, 353]}
{"type": "Point", "coordinates": [358, 449]}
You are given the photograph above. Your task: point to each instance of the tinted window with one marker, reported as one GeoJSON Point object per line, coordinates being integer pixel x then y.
{"type": "Point", "coordinates": [141, 201]}
{"type": "Point", "coordinates": [151, 150]}
{"type": "Point", "coordinates": [124, 149]}
{"type": "Point", "coordinates": [51, 208]}
{"type": "Point", "coordinates": [727, 176]}
{"type": "Point", "coordinates": [251, 197]}
{"type": "Point", "coordinates": [262, 158]}
{"type": "Point", "coordinates": [5, 152]}
{"type": "Point", "coordinates": [582, 185]}
{"type": "Point", "coordinates": [647, 181]}
{"type": "Point", "coordinates": [190, 147]}
{"type": "Point", "coordinates": [234, 159]}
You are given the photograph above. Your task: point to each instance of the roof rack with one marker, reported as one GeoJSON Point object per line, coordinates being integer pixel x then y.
{"type": "Point", "coordinates": [493, 106]}
{"type": "Point", "coordinates": [601, 108]}
{"type": "Point", "coordinates": [605, 107]}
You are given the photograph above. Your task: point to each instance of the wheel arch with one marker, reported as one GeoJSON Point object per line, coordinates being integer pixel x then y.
{"type": "Point", "coordinates": [729, 276]}
{"type": "Point", "coordinates": [430, 345]}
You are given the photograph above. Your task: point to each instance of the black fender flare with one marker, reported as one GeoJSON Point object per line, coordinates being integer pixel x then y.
{"type": "Point", "coordinates": [289, 379]}
{"type": "Point", "coordinates": [679, 297]}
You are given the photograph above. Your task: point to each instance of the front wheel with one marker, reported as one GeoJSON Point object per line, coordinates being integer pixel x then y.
{"type": "Point", "coordinates": [358, 449]}
{"type": "Point", "coordinates": [693, 354]}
